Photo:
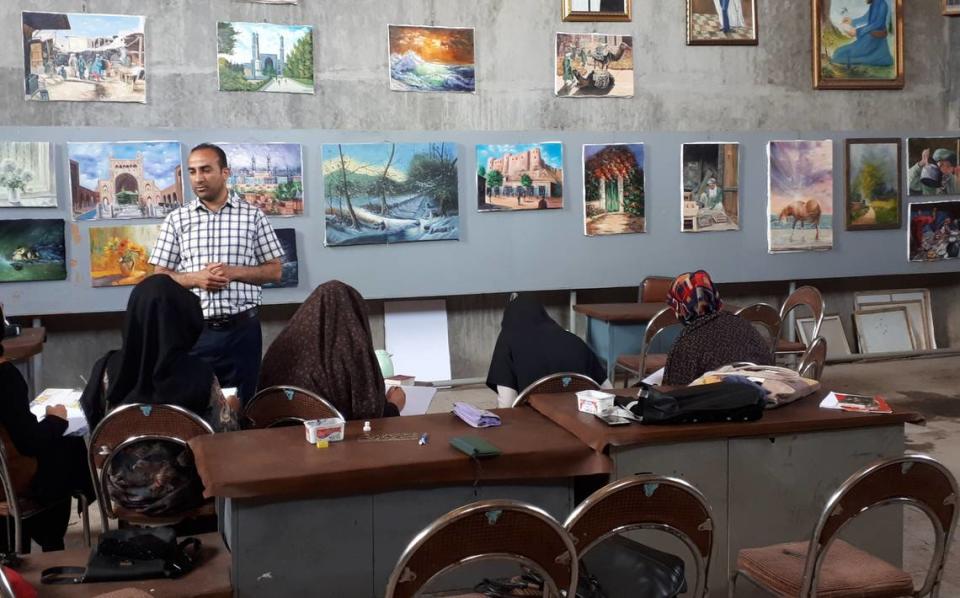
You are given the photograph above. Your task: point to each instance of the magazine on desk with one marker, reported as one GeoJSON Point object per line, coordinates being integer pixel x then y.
{"type": "Point", "coordinates": [860, 403]}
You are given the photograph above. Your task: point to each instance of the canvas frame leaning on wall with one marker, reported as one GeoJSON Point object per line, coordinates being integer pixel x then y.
{"type": "Point", "coordinates": [702, 27]}
{"type": "Point", "coordinates": [852, 205]}
{"type": "Point", "coordinates": [572, 10]}
{"type": "Point", "coordinates": [864, 48]}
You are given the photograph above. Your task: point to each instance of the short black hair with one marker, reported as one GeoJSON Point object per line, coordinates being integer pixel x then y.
{"type": "Point", "coordinates": [221, 155]}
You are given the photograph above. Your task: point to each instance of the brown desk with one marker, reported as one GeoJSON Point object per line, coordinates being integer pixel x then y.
{"type": "Point", "coordinates": [615, 329]}
{"type": "Point", "coordinates": [27, 348]}
{"type": "Point", "coordinates": [638, 313]}
{"type": "Point", "coordinates": [767, 480]}
{"type": "Point", "coordinates": [344, 514]}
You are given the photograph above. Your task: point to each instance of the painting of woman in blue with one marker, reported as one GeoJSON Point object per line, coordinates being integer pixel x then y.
{"type": "Point", "coordinates": [871, 47]}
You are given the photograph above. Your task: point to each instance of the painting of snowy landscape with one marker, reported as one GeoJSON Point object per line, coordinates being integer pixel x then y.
{"type": "Point", "coordinates": [378, 193]}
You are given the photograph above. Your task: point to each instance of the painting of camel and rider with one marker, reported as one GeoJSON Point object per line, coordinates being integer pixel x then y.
{"type": "Point", "coordinates": [590, 65]}
{"type": "Point", "coordinates": [800, 196]}
{"type": "Point", "coordinates": [858, 44]}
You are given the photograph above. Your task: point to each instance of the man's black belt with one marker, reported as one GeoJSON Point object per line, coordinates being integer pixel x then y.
{"type": "Point", "coordinates": [225, 322]}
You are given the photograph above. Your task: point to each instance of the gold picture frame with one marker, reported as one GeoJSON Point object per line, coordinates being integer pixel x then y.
{"type": "Point", "coordinates": [951, 8]}
{"type": "Point", "coordinates": [569, 14]}
{"type": "Point", "coordinates": [715, 38]}
{"type": "Point", "coordinates": [822, 63]}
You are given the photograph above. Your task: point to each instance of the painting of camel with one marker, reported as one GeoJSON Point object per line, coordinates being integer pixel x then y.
{"type": "Point", "coordinates": [592, 65]}
{"type": "Point", "coordinates": [800, 196]}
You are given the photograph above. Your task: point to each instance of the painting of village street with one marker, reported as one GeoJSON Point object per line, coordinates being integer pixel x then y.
{"type": "Point", "coordinates": [594, 65]}
{"type": "Point", "coordinates": [520, 177]}
{"type": "Point", "coordinates": [79, 57]}
{"type": "Point", "coordinates": [265, 57]}
{"type": "Point", "coordinates": [27, 179]}
{"type": "Point", "coordinates": [800, 206]}
{"type": "Point", "coordinates": [431, 59]}
{"type": "Point", "coordinates": [267, 175]}
{"type": "Point", "coordinates": [711, 187]}
{"type": "Point", "coordinates": [119, 255]}
{"type": "Point", "coordinates": [32, 250]}
{"type": "Point", "coordinates": [614, 198]}
{"type": "Point", "coordinates": [379, 193]}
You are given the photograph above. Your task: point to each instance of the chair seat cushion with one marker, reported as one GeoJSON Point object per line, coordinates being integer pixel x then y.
{"type": "Point", "coordinates": [655, 361]}
{"type": "Point", "coordinates": [785, 346]}
{"type": "Point", "coordinates": [846, 572]}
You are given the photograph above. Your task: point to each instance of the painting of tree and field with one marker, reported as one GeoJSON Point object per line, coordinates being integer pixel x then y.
{"type": "Point", "coordinates": [378, 193]}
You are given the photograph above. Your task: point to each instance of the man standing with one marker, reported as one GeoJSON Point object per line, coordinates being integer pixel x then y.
{"type": "Point", "coordinates": [223, 249]}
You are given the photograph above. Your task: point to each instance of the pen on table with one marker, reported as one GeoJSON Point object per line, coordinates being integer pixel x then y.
{"type": "Point", "coordinates": [424, 439]}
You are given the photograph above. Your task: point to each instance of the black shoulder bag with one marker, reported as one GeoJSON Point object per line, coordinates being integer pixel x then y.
{"type": "Point", "coordinates": [719, 402]}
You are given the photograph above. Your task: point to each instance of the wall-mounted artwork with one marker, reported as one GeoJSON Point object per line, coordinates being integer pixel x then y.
{"type": "Point", "coordinates": [711, 187]}
{"type": "Point", "coordinates": [951, 8]}
{"type": "Point", "coordinates": [137, 179]}
{"type": "Point", "coordinates": [520, 177]}
{"type": "Point", "coordinates": [32, 250]}
{"type": "Point", "coordinates": [614, 188]}
{"type": "Point", "coordinates": [872, 183]}
{"type": "Point", "coordinates": [721, 22]}
{"type": "Point", "coordinates": [858, 44]}
{"type": "Point", "coordinates": [431, 59]}
{"type": "Point", "coordinates": [27, 178]}
{"type": "Point", "coordinates": [596, 10]}
{"type": "Point", "coordinates": [267, 175]}
{"type": "Point", "coordinates": [934, 231]}
{"type": "Point", "coordinates": [265, 57]}
{"type": "Point", "coordinates": [590, 65]}
{"type": "Point", "coordinates": [800, 190]}
{"type": "Point", "coordinates": [290, 271]}
{"type": "Point", "coordinates": [119, 255]}
{"type": "Point", "coordinates": [380, 193]}
{"type": "Point", "coordinates": [79, 57]}
{"type": "Point", "coordinates": [932, 166]}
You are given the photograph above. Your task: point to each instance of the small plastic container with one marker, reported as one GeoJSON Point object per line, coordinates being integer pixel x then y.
{"type": "Point", "coordinates": [330, 429]}
{"type": "Point", "coordinates": [595, 402]}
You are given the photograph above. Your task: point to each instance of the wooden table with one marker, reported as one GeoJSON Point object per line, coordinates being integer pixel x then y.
{"type": "Point", "coordinates": [26, 348]}
{"type": "Point", "coordinates": [343, 515]}
{"type": "Point", "coordinates": [615, 329]}
{"type": "Point", "coordinates": [767, 480]}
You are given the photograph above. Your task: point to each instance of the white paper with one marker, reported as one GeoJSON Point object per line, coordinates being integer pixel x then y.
{"type": "Point", "coordinates": [416, 338]}
{"type": "Point", "coordinates": [830, 402]}
{"type": "Point", "coordinates": [69, 398]}
{"type": "Point", "coordinates": [655, 379]}
{"type": "Point", "coordinates": [418, 398]}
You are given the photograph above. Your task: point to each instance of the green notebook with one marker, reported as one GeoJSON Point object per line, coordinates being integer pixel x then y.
{"type": "Point", "coordinates": [474, 446]}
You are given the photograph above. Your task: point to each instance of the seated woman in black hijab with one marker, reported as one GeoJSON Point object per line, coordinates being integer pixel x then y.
{"type": "Point", "coordinates": [162, 324]}
{"type": "Point", "coordinates": [45, 465]}
{"type": "Point", "coordinates": [530, 346]}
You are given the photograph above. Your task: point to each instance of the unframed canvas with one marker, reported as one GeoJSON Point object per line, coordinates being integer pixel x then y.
{"type": "Point", "coordinates": [934, 231]}
{"type": "Point", "coordinates": [290, 267]}
{"type": "Point", "coordinates": [614, 189]}
{"type": "Point", "coordinates": [265, 57]}
{"type": "Point", "coordinates": [932, 166]}
{"type": "Point", "coordinates": [732, 25]}
{"type": "Point", "coordinates": [32, 250]}
{"type": "Point", "coordinates": [267, 175]}
{"type": "Point", "coordinates": [800, 196]}
{"type": "Point", "coordinates": [872, 183]}
{"type": "Point", "coordinates": [432, 59]}
{"type": "Point", "coordinates": [120, 255]}
{"type": "Point", "coordinates": [512, 177]}
{"type": "Point", "coordinates": [27, 178]}
{"type": "Point", "coordinates": [710, 183]}
{"type": "Point", "coordinates": [593, 65]}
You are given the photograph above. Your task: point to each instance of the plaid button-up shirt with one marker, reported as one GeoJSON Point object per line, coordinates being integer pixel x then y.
{"type": "Point", "coordinates": [238, 235]}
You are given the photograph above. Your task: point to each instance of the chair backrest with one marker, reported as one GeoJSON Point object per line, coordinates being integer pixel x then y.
{"type": "Point", "coordinates": [490, 529]}
{"type": "Point", "coordinates": [654, 289]}
{"type": "Point", "coordinates": [810, 297]}
{"type": "Point", "coordinates": [660, 321]}
{"type": "Point", "coordinates": [765, 315]}
{"type": "Point", "coordinates": [279, 405]}
{"type": "Point", "coordinates": [647, 502]}
{"type": "Point", "coordinates": [916, 480]}
{"type": "Point", "coordinates": [554, 383]}
{"type": "Point", "coordinates": [129, 424]}
{"type": "Point", "coordinates": [811, 364]}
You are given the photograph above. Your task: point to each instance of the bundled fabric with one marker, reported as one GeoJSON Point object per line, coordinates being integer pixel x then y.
{"type": "Point", "coordinates": [783, 385]}
{"type": "Point", "coordinates": [720, 402]}
{"type": "Point", "coordinates": [478, 418]}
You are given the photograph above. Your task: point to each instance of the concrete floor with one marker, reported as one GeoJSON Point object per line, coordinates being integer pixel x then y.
{"type": "Point", "coordinates": [927, 386]}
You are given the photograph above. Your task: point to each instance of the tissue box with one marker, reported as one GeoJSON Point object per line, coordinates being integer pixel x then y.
{"type": "Point", "coordinates": [594, 402]}
{"type": "Point", "coordinates": [330, 429]}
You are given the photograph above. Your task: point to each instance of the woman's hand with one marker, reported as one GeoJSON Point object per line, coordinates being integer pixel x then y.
{"type": "Point", "coordinates": [397, 397]}
{"type": "Point", "coordinates": [57, 411]}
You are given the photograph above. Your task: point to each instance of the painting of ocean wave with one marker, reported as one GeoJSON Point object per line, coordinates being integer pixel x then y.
{"type": "Point", "coordinates": [431, 59]}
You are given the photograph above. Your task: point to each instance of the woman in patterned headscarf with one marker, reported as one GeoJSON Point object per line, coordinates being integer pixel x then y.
{"type": "Point", "coordinates": [711, 337]}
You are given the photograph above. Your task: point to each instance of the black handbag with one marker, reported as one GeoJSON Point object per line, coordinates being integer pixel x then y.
{"type": "Point", "coordinates": [719, 402]}
{"type": "Point", "coordinates": [130, 555]}
{"type": "Point", "coordinates": [624, 568]}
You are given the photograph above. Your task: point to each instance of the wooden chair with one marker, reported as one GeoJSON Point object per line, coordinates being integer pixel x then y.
{"type": "Point", "coordinates": [805, 569]}
{"type": "Point", "coordinates": [130, 424]}
{"type": "Point", "coordinates": [804, 296]}
{"type": "Point", "coordinates": [648, 502]}
{"type": "Point", "coordinates": [285, 405]}
{"type": "Point", "coordinates": [811, 364]}
{"type": "Point", "coordinates": [654, 289]}
{"type": "Point", "coordinates": [646, 363]}
{"type": "Point", "coordinates": [764, 315]}
{"type": "Point", "coordinates": [555, 383]}
{"type": "Point", "coordinates": [491, 529]}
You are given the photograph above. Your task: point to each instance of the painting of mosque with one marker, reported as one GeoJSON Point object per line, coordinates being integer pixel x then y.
{"type": "Point", "coordinates": [137, 179]}
{"type": "Point", "coordinates": [858, 44]}
{"type": "Point", "coordinates": [721, 22]}
{"type": "Point", "coordinates": [290, 267]}
{"type": "Point", "coordinates": [380, 193]}
{"type": "Point", "coordinates": [119, 255]}
{"type": "Point", "coordinates": [267, 175]}
{"type": "Point", "coordinates": [27, 179]}
{"type": "Point", "coordinates": [431, 59]}
{"type": "Point", "coordinates": [590, 65]}
{"type": "Point", "coordinates": [32, 250]}
{"type": "Point", "coordinates": [520, 177]}
{"type": "Point", "coordinates": [711, 187]}
{"type": "Point", "coordinates": [800, 196]}
{"type": "Point", "coordinates": [614, 189]}
{"type": "Point", "coordinates": [265, 57]}
{"type": "Point", "coordinates": [80, 57]}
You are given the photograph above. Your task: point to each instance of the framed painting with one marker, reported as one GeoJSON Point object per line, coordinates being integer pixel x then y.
{"type": "Point", "coordinates": [290, 267]}
{"type": "Point", "coordinates": [596, 10]}
{"type": "Point", "coordinates": [872, 187]}
{"type": "Point", "coordinates": [722, 22]}
{"type": "Point", "coordinates": [951, 8]}
{"type": "Point", "coordinates": [858, 44]}
{"type": "Point", "coordinates": [614, 189]}
{"type": "Point", "coordinates": [800, 196]}
{"type": "Point", "coordinates": [710, 187]}
{"type": "Point", "coordinates": [934, 231]}
{"type": "Point", "coordinates": [519, 177]}
{"type": "Point", "coordinates": [932, 166]}
{"type": "Point", "coordinates": [593, 65]}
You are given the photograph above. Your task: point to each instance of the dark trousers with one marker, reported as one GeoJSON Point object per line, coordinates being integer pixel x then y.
{"type": "Point", "coordinates": [234, 354]}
